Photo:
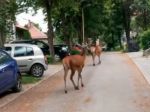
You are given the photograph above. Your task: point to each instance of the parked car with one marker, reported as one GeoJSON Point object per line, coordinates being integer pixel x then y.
{"type": "Point", "coordinates": [60, 50]}
{"type": "Point", "coordinates": [29, 57]}
{"type": "Point", "coordinates": [10, 77]}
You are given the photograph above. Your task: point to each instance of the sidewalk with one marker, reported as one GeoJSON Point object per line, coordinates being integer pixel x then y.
{"type": "Point", "coordinates": [143, 63]}
{"type": "Point", "coordinates": [52, 69]}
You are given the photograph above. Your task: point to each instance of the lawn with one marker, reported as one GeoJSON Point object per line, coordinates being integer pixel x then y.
{"type": "Point", "coordinates": [29, 79]}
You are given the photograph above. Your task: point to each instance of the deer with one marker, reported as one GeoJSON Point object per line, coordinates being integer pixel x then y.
{"type": "Point", "coordinates": [74, 63]}
{"type": "Point", "coordinates": [96, 50]}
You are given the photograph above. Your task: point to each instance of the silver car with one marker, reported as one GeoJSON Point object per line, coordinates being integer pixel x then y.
{"type": "Point", "coordinates": [30, 58]}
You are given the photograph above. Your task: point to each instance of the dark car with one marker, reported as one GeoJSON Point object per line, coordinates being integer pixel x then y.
{"type": "Point", "coordinates": [10, 77]}
{"type": "Point", "coordinates": [60, 50]}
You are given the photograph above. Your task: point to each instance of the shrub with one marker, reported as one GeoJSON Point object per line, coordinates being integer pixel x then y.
{"type": "Point", "coordinates": [145, 39]}
{"type": "Point", "coordinates": [49, 59]}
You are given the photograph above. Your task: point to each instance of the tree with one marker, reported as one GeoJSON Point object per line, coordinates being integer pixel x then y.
{"type": "Point", "coordinates": [67, 21]}
{"type": "Point", "coordinates": [48, 6]}
{"type": "Point", "coordinates": [8, 9]}
{"type": "Point", "coordinates": [141, 10]}
{"type": "Point", "coordinates": [126, 4]}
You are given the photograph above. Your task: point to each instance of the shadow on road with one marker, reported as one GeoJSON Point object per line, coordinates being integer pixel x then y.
{"type": "Point", "coordinates": [6, 93]}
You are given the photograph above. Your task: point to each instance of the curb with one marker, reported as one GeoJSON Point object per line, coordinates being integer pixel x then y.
{"type": "Point", "coordinates": [145, 74]}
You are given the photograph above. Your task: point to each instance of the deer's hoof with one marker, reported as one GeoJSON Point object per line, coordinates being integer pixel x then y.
{"type": "Point", "coordinates": [100, 62]}
{"type": "Point", "coordinates": [66, 92]}
{"type": "Point", "coordinates": [76, 88]}
{"type": "Point", "coordinates": [82, 85]}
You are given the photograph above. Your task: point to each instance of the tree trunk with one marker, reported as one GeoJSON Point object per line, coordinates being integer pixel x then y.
{"type": "Point", "coordinates": [48, 4]}
{"type": "Point", "coordinates": [145, 19]}
{"type": "Point", "coordinates": [127, 20]}
{"type": "Point", "coordinates": [80, 37]}
{"type": "Point", "coordinates": [1, 42]}
{"type": "Point", "coordinates": [68, 41]}
{"type": "Point", "coordinates": [120, 44]}
{"type": "Point", "coordinates": [1, 39]}
{"type": "Point", "coordinates": [113, 40]}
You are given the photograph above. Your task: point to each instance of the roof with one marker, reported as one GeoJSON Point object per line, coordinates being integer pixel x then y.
{"type": "Point", "coordinates": [35, 32]}
{"type": "Point", "coordinates": [21, 27]}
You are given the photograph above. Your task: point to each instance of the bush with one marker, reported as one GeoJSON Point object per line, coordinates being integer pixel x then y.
{"type": "Point", "coordinates": [49, 59]}
{"type": "Point", "coordinates": [145, 39]}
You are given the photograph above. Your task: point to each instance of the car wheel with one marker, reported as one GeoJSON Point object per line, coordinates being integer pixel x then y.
{"type": "Point", "coordinates": [18, 85]}
{"type": "Point", "coordinates": [37, 70]}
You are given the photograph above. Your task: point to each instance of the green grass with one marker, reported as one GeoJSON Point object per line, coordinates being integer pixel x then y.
{"type": "Point", "coordinates": [28, 79]}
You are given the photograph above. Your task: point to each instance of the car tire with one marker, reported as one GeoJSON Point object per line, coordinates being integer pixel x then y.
{"type": "Point", "coordinates": [18, 85]}
{"type": "Point", "coordinates": [37, 70]}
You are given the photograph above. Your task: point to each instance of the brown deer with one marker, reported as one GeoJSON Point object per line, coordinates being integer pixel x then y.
{"type": "Point", "coordinates": [74, 63]}
{"type": "Point", "coordinates": [96, 50]}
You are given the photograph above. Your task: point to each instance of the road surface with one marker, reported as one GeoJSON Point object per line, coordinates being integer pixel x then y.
{"type": "Point", "coordinates": [114, 86]}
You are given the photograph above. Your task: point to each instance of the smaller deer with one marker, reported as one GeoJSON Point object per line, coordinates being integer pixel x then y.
{"type": "Point", "coordinates": [74, 63]}
{"type": "Point", "coordinates": [96, 50]}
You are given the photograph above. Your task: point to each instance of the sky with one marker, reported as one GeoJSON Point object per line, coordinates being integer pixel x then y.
{"type": "Point", "coordinates": [38, 18]}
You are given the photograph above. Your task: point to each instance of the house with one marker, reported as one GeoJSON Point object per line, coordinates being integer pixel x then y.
{"type": "Point", "coordinates": [20, 32]}
{"type": "Point", "coordinates": [35, 32]}
{"type": "Point", "coordinates": [29, 31]}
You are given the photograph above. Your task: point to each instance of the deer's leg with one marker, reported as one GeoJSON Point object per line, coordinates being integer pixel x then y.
{"type": "Point", "coordinates": [80, 77]}
{"type": "Point", "coordinates": [65, 76]}
{"type": "Point", "coordinates": [99, 59]}
{"type": "Point", "coordinates": [93, 57]}
{"type": "Point", "coordinates": [71, 78]}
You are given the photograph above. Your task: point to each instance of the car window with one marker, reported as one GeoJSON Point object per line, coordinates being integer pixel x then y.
{"type": "Point", "coordinates": [23, 51]}
{"type": "Point", "coordinates": [19, 51]}
{"type": "Point", "coordinates": [4, 58]}
{"type": "Point", "coordinates": [40, 44]}
{"type": "Point", "coordinates": [8, 50]}
{"type": "Point", "coordinates": [30, 51]}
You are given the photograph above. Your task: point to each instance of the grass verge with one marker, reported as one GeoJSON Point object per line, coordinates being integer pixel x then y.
{"type": "Point", "coordinates": [29, 79]}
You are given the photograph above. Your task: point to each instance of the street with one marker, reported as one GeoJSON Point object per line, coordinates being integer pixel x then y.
{"type": "Point", "coordinates": [116, 85]}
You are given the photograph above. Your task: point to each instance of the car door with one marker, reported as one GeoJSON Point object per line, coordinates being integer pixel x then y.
{"type": "Point", "coordinates": [24, 58]}
{"type": "Point", "coordinates": [7, 71]}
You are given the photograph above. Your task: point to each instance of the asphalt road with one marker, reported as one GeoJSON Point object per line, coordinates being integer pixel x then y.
{"type": "Point", "coordinates": [114, 86]}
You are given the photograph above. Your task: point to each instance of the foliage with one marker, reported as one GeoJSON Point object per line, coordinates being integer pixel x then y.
{"type": "Point", "coordinates": [93, 20]}
{"type": "Point", "coordinates": [104, 19]}
{"type": "Point", "coordinates": [8, 9]}
{"type": "Point", "coordinates": [26, 35]}
{"type": "Point", "coordinates": [141, 10]}
{"type": "Point", "coordinates": [48, 7]}
{"type": "Point", "coordinates": [49, 59]}
{"type": "Point", "coordinates": [112, 24]}
{"type": "Point", "coordinates": [68, 21]}
{"type": "Point", "coordinates": [145, 39]}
